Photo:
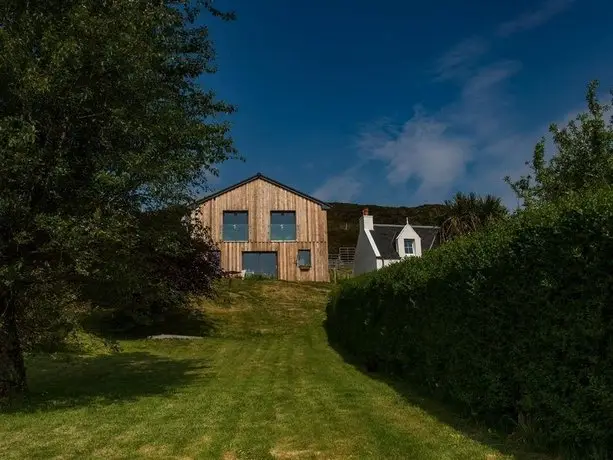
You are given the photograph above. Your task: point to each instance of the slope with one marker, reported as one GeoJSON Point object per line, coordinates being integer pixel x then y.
{"type": "Point", "coordinates": [264, 385]}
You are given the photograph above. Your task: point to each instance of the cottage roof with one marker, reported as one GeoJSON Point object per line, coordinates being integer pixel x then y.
{"type": "Point", "coordinates": [385, 235]}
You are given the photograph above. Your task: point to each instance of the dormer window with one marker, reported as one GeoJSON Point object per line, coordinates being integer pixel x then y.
{"type": "Point", "coordinates": [409, 247]}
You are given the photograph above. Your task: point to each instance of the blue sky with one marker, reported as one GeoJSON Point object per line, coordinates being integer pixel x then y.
{"type": "Point", "coordinates": [402, 103]}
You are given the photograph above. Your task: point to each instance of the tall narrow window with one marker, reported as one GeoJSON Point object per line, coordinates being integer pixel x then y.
{"type": "Point", "coordinates": [235, 226]}
{"type": "Point", "coordinates": [304, 258]}
{"type": "Point", "coordinates": [283, 226]}
{"type": "Point", "coordinates": [409, 247]}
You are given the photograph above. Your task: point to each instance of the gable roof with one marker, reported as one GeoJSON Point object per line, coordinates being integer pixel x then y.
{"type": "Point", "coordinates": [429, 236]}
{"type": "Point", "coordinates": [270, 181]}
{"type": "Point", "coordinates": [385, 235]}
{"type": "Point", "coordinates": [385, 239]}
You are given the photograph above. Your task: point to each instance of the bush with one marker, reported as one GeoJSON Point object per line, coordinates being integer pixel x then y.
{"type": "Point", "coordinates": [50, 321]}
{"type": "Point", "coordinates": [515, 321]}
{"type": "Point", "coordinates": [49, 314]}
{"type": "Point", "coordinates": [150, 286]}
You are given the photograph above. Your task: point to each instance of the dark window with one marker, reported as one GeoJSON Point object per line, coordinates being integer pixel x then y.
{"type": "Point", "coordinates": [283, 226]}
{"type": "Point", "coordinates": [235, 226]}
{"type": "Point", "coordinates": [409, 246]}
{"type": "Point", "coordinates": [260, 264]}
{"type": "Point", "coordinates": [304, 257]}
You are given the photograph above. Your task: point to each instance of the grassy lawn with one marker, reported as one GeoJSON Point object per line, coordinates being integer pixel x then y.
{"type": "Point", "coordinates": [264, 385]}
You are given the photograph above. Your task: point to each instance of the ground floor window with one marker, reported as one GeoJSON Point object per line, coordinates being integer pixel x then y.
{"type": "Point", "coordinates": [260, 264]}
{"type": "Point", "coordinates": [304, 258]}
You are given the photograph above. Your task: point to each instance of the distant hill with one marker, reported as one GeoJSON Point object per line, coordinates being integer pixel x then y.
{"type": "Point", "coordinates": [343, 220]}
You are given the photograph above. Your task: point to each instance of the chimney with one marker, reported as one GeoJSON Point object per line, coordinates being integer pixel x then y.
{"type": "Point", "coordinates": [366, 221]}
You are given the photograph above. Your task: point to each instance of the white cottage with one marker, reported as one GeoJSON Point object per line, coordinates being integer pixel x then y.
{"type": "Point", "coordinates": [380, 245]}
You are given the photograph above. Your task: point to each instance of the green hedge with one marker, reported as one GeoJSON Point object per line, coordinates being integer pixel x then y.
{"type": "Point", "coordinates": [516, 321]}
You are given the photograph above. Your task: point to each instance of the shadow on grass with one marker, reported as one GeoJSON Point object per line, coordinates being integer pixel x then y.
{"type": "Point", "coordinates": [71, 381]}
{"type": "Point", "coordinates": [477, 430]}
{"type": "Point", "coordinates": [120, 326]}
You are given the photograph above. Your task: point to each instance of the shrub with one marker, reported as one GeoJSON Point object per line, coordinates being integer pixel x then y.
{"type": "Point", "coordinates": [49, 315]}
{"type": "Point", "coordinates": [151, 286]}
{"type": "Point", "coordinates": [515, 321]}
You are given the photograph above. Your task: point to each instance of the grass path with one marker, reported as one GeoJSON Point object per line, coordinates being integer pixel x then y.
{"type": "Point", "coordinates": [265, 386]}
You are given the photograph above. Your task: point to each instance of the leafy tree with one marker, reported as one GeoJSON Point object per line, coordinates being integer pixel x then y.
{"type": "Point", "coordinates": [102, 122]}
{"type": "Point", "coordinates": [466, 213]}
{"type": "Point", "coordinates": [169, 261]}
{"type": "Point", "coordinates": [583, 157]}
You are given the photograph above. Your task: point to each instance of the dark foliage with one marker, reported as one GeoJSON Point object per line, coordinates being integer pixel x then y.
{"type": "Point", "coordinates": [48, 314]}
{"type": "Point", "coordinates": [173, 260]}
{"type": "Point", "coordinates": [102, 119]}
{"type": "Point", "coordinates": [512, 323]}
{"type": "Point", "coordinates": [467, 213]}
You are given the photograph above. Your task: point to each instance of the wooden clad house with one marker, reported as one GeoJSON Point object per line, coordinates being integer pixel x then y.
{"type": "Point", "coordinates": [266, 228]}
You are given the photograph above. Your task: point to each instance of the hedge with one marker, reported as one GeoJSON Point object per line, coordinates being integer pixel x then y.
{"type": "Point", "coordinates": [515, 321]}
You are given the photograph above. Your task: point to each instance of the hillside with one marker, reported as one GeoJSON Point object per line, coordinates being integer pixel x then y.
{"type": "Point", "coordinates": [343, 220]}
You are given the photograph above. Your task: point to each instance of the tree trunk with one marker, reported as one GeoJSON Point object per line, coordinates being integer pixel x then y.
{"type": "Point", "coordinates": [12, 366]}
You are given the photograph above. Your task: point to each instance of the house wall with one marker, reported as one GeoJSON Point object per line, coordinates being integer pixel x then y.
{"type": "Point", "coordinates": [386, 262]}
{"type": "Point", "coordinates": [365, 259]}
{"type": "Point", "coordinates": [408, 233]}
{"type": "Point", "coordinates": [259, 198]}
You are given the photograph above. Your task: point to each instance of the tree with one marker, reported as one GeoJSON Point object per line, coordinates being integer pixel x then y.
{"type": "Point", "coordinates": [171, 259]}
{"type": "Point", "coordinates": [102, 122]}
{"type": "Point", "coordinates": [583, 157]}
{"type": "Point", "coordinates": [466, 213]}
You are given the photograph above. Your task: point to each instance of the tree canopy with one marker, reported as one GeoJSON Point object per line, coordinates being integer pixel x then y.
{"type": "Point", "coordinates": [583, 157]}
{"type": "Point", "coordinates": [102, 122]}
{"type": "Point", "coordinates": [466, 213]}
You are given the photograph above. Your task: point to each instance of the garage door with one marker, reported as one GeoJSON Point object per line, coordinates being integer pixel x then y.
{"type": "Point", "coordinates": [260, 263]}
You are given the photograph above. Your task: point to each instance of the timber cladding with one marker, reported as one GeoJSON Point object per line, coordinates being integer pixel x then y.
{"type": "Point", "coordinates": [259, 196]}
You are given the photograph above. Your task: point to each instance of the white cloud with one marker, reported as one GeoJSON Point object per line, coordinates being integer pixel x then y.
{"type": "Point", "coordinates": [535, 18]}
{"type": "Point", "coordinates": [489, 76]}
{"type": "Point", "coordinates": [455, 63]}
{"type": "Point", "coordinates": [460, 59]}
{"type": "Point", "coordinates": [344, 187]}
{"type": "Point", "coordinates": [471, 143]}
{"type": "Point", "coordinates": [423, 148]}
{"type": "Point", "coordinates": [468, 144]}
{"type": "Point", "coordinates": [437, 149]}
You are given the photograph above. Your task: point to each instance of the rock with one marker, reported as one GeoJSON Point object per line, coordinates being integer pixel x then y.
{"type": "Point", "coordinates": [173, 336]}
